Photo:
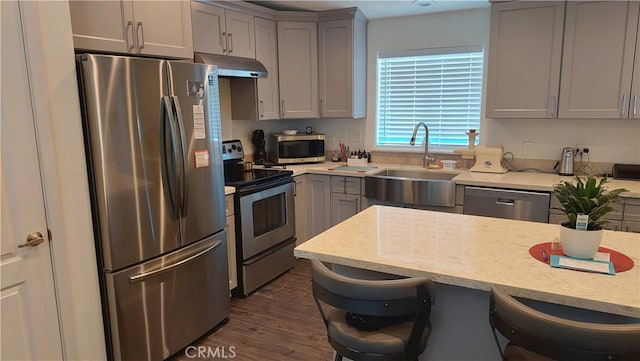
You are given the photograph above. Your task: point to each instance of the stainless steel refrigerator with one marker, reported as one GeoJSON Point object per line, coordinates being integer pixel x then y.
{"type": "Point", "coordinates": [153, 141]}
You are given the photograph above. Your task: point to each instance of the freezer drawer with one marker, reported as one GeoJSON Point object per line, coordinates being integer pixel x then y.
{"type": "Point", "coordinates": [505, 203]}
{"type": "Point", "coordinates": [159, 307]}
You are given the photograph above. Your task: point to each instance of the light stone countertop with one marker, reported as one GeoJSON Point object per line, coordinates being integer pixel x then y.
{"type": "Point", "coordinates": [229, 190]}
{"type": "Point", "coordinates": [512, 180]}
{"type": "Point", "coordinates": [536, 181]}
{"type": "Point", "coordinates": [477, 253]}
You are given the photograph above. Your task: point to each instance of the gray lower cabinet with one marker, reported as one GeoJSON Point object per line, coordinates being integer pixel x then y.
{"type": "Point", "coordinates": [330, 200]}
{"type": "Point", "coordinates": [631, 216]}
{"type": "Point", "coordinates": [344, 206]}
{"type": "Point", "coordinates": [625, 216]}
{"type": "Point", "coordinates": [318, 204]}
{"type": "Point", "coordinates": [231, 241]}
{"type": "Point", "coordinates": [629, 226]}
{"type": "Point", "coordinates": [300, 194]}
{"type": "Point", "coordinates": [347, 197]}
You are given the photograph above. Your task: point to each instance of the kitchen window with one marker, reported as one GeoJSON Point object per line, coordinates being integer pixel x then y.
{"type": "Point", "coordinates": [441, 87]}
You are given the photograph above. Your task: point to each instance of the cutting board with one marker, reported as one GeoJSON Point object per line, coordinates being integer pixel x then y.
{"type": "Point", "coordinates": [350, 168]}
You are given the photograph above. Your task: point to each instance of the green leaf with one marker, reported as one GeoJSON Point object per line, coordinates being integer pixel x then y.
{"type": "Point", "coordinates": [587, 196]}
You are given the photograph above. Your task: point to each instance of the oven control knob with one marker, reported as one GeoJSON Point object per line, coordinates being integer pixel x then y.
{"type": "Point", "coordinates": [239, 149]}
{"type": "Point", "coordinates": [233, 146]}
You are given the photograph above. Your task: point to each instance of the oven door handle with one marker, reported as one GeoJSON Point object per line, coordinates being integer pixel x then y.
{"type": "Point", "coordinates": [243, 191]}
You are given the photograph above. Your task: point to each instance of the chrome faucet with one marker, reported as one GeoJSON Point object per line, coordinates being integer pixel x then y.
{"type": "Point", "coordinates": [427, 157]}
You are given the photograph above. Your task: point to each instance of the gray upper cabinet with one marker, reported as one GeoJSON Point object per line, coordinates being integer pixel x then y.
{"type": "Point", "coordinates": [298, 69]}
{"type": "Point", "coordinates": [159, 28]}
{"type": "Point", "coordinates": [597, 61]}
{"type": "Point", "coordinates": [537, 69]}
{"type": "Point", "coordinates": [257, 99]}
{"type": "Point", "coordinates": [342, 49]}
{"type": "Point", "coordinates": [524, 59]}
{"type": "Point", "coordinates": [267, 54]}
{"type": "Point", "coordinates": [222, 31]}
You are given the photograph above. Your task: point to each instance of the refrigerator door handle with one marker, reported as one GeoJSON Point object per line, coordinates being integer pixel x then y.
{"type": "Point", "coordinates": [166, 113]}
{"type": "Point", "coordinates": [176, 263]}
{"type": "Point", "coordinates": [183, 153]}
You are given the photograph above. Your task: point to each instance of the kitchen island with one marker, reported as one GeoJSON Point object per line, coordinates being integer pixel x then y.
{"type": "Point", "coordinates": [467, 256]}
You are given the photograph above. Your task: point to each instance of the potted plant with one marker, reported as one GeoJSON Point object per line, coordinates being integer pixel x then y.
{"type": "Point", "coordinates": [581, 237]}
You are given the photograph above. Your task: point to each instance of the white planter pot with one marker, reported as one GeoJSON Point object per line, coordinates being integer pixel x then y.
{"type": "Point", "coordinates": [578, 243]}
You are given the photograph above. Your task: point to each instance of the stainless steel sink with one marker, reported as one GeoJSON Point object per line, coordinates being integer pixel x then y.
{"type": "Point", "coordinates": [412, 186]}
{"type": "Point", "coordinates": [415, 174]}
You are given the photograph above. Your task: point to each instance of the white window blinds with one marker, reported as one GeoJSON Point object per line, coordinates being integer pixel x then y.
{"type": "Point", "coordinates": [441, 87]}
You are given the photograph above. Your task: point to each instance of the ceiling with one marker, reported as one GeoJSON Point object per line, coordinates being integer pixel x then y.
{"type": "Point", "coordinates": [376, 9]}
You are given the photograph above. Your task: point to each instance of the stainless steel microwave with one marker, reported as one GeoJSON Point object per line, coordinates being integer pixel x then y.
{"type": "Point", "coordinates": [297, 148]}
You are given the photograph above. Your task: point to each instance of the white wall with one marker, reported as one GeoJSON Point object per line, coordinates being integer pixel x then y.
{"type": "Point", "coordinates": [60, 140]}
{"type": "Point", "coordinates": [459, 28]}
{"type": "Point", "coordinates": [609, 140]}
{"type": "Point", "coordinates": [349, 131]}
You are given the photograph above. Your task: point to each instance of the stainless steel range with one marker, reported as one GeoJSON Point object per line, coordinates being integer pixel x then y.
{"type": "Point", "coordinates": [265, 221]}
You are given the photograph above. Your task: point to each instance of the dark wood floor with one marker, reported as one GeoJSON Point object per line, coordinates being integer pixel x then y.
{"type": "Point", "coordinates": [278, 322]}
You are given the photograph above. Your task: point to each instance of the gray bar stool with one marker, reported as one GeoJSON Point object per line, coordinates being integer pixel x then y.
{"type": "Point", "coordinates": [373, 319]}
{"type": "Point", "coordinates": [534, 335]}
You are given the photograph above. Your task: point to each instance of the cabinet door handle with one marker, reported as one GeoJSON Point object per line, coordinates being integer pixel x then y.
{"type": "Point", "coordinates": [223, 41]}
{"type": "Point", "coordinates": [552, 106]}
{"type": "Point", "coordinates": [261, 109]}
{"type": "Point", "coordinates": [229, 36]}
{"type": "Point", "coordinates": [505, 202]}
{"type": "Point", "coordinates": [282, 107]}
{"type": "Point", "coordinates": [635, 105]}
{"type": "Point", "coordinates": [356, 203]}
{"type": "Point", "coordinates": [129, 29]}
{"type": "Point", "coordinates": [623, 102]}
{"type": "Point", "coordinates": [321, 107]}
{"type": "Point", "coordinates": [140, 30]}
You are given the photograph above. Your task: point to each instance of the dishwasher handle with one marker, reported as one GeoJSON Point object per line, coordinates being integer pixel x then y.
{"type": "Point", "coordinates": [505, 202]}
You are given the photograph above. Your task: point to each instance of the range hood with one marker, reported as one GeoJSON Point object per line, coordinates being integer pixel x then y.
{"type": "Point", "coordinates": [233, 66]}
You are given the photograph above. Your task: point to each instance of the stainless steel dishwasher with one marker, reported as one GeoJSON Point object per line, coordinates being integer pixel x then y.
{"type": "Point", "coordinates": [507, 203]}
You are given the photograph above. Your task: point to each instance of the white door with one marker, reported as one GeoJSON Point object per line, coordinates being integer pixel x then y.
{"type": "Point", "coordinates": [29, 326]}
